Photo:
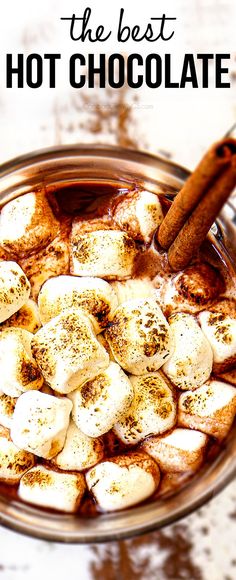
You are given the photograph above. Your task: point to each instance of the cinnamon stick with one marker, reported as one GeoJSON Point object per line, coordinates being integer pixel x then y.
{"type": "Point", "coordinates": [214, 163]}
{"type": "Point", "coordinates": [200, 221]}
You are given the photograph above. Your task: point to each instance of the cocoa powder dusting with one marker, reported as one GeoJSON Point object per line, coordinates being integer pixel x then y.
{"type": "Point", "coordinates": [136, 559]}
{"type": "Point", "coordinates": [102, 116]}
{"type": "Point", "coordinates": [109, 113]}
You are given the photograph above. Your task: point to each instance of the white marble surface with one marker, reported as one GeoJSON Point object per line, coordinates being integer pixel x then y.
{"type": "Point", "coordinates": [181, 123]}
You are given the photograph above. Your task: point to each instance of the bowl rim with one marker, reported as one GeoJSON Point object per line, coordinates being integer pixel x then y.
{"type": "Point", "coordinates": [100, 149]}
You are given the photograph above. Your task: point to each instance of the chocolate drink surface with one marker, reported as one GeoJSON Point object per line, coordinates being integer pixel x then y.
{"type": "Point", "coordinates": [117, 374]}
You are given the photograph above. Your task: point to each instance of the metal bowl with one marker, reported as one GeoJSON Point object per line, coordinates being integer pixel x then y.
{"type": "Point", "coordinates": [64, 167]}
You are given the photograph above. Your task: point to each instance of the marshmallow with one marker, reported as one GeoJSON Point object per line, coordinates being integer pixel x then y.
{"type": "Point", "coordinates": [14, 462]}
{"type": "Point", "coordinates": [79, 451]}
{"type": "Point", "coordinates": [51, 489]}
{"type": "Point", "coordinates": [102, 401]}
{"type": "Point", "coordinates": [50, 261]}
{"type": "Point", "coordinates": [153, 409]}
{"type": "Point", "coordinates": [27, 318]}
{"type": "Point", "coordinates": [85, 225]}
{"type": "Point", "coordinates": [40, 423]}
{"type": "Point", "coordinates": [104, 253]}
{"type": "Point", "coordinates": [190, 290]}
{"type": "Point", "coordinates": [123, 481]}
{"type": "Point", "coordinates": [94, 296]}
{"type": "Point", "coordinates": [190, 365]}
{"type": "Point", "coordinates": [179, 451]}
{"type": "Point", "coordinates": [67, 351]}
{"type": "Point", "coordinates": [139, 336]}
{"type": "Point", "coordinates": [7, 406]}
{"type": "Point", "coordinates": [27, 223]}
{"type": "Point", "coordinates": [18, 370]}
{"type": "Point", "coordinates": [220, 331]}
{"type": "Point", "coordinates": [139, 213]}
{"type": "Point", "coordinates": [211, 408]}
{"type": "Point", "coordinates": [132, 289]}
{"type": "Point", "coordinates": [14, 289]}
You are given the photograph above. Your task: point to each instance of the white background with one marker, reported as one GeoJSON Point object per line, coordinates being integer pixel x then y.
{"type": "Point", "coordinates": [180, 122]}
{"type": "Point", "coordinates": [183, 121]}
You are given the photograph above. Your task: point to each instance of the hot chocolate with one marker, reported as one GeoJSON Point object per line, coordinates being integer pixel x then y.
{"type": "Point", "coordinates": [113, 367]}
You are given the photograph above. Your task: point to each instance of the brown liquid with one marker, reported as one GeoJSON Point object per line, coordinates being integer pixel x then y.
{"type": "Point", "coordinates": [94, 200]}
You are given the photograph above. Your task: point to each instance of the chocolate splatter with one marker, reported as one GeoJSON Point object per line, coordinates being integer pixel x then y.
{"type": "Point", "coordinates": [232, 515]}
{"type": "Point", "coordinates": [166, 555]}
{"type": "Point", "coordinates": [35, 35]}
{"type": "Point", "coordinates": [105, 115]}
{"type": "Point", "coordinates": [110, 113]}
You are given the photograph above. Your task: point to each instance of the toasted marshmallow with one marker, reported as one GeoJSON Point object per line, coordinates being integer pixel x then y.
{"type": "Point", "coordinates": [133, 289]}
{"type": "Point", "coordinates": [14, 289]}
{"type": "Point", "coordinates": [7, 406]}
{"type": "Point", "coordinates": [82, 225]}
{"type": "Point", "coordinates": [50, 261]}
{"type": "Point", "coordinates": [139, 213]}
{"type": "Point", "coordinates": [51, 489]}
{"type": "Point", "coordinates": [180, 450]}
{"type": "Point", "coordinates": [211, 408]}
{"type": "Point", "coordinates": [67, 351]}
{"type": "Point", "coordinates": [100, 402]}
{"type": "Point", "coordinates": [79, 451]}
{"type": "Point", "coordinates": [190, 365]}
{"type": "Point", "coordinates": [105, 253]}
{"type": "Point", "coordinates": [220, 331]}
{"type": "Point", "coordinates": [93, 295]}
{"type": "Point", "coordinates": [18, 370]}
{"type": "Point", "coordinates": [27, 318]}
{"type": "Point", "coordinates": [191, 290]}
{"type": "Point", "coordinates": [123, 481]}
{"type": "Point", "coordinates": [139, 336]}
{"type": "Point", "coordinates": [40, 423]}
{"type": "Point", "coordinates": [27, 223]}
{"type": "Point", "coordinates": [153, 409]}
{"type": "Point", "coordinates": [14, 462]}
